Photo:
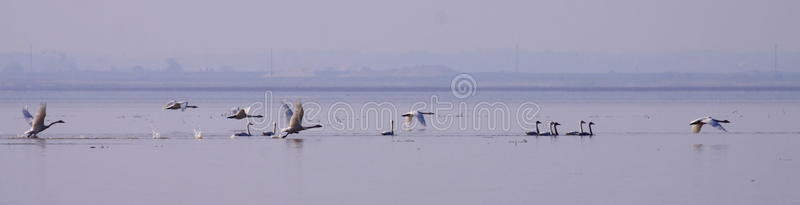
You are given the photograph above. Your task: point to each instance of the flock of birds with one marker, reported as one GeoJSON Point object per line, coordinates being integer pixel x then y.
{"type": "Point", "coordinates": [553, 130]}
{"type": "Point", "coordinates": [294, 119]}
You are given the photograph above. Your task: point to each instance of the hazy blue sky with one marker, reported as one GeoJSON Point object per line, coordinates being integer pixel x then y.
{"type": "Point", "coordinates": [155, 28]}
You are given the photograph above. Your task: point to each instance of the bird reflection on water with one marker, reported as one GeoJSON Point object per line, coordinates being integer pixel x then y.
{"type": "Point", "coordinates": [296, 143]}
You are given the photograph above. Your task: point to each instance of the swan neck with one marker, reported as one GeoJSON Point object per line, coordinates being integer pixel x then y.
{"type": "Point", "coordinates": [248, 129]}
{"type": "Point", "coordinates": [51, 124]}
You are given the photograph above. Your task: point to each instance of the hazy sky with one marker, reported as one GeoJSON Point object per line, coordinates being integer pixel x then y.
{"type": "Point", "coordinates": [156, 28]}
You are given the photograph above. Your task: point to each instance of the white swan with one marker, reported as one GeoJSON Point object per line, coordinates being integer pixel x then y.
{"type": "Point", "coordinates": [37, 123]}
{"type": "Point", "coordinates": [553, 130]}
{"type": "Point", "coordinates": [580, 131]}
{"type": "Point", "coordinates": [698, 124]}
{"type": "Point", "coordinates": [274, 129]}
{"type": "Point", "coordinates": [175, 105]}
{"type": "Point", "coordinates": [536, 133]}
{"type": "Point", "coordinates": [241, 113]}
{"type": "Point", "coordinates": [243, 134]}
{"type": "Point", "coordinates": [198, 134]}
{"type": "Point", "coordinates": [416, 114]}
{"type": "Point", "coordinates": [590, 133]}
{"type": "Point", "coordinates": [389, 133]}
{"type": "Point", "coordinates": [296, 122]}
{"type": "Point", "coordinates": [157, 135]}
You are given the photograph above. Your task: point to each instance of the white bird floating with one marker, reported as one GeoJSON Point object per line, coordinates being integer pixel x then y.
{"type": "Point", "coordinates": [37, 123]}
{"type": "Point", "coordinates": [553, 130]}
{"type": "Point", "coordinates": [198, 134]}
{"type": "Point", "coordinates": [274, 129]}
{"type": "Point", "coordinates": [295, 124]}
{"type": "Point", "coordinates": [416, 114]}
{"type": "Point", "coordinates": [157, 135]}
{"type": "Point", "coordinates": [537, 132]}
{"type": "Point", "coordinates": [175, 105]}
{"type": "Point", "coordinates": [243, 134]}
{"type": "Point", "coordinates": [389, 133]}
{"type": "Point", "coordinates": [241, 113]}
{"type": "Point", "coordinates": [590, 133]}
{"type": "Point", "coordinates": [581, 132]}
{"type": "Point", "coordinates": [698, 124]}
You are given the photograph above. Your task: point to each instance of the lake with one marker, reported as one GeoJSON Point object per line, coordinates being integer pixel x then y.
{"type": "Point", "coordinates": [472, 151]}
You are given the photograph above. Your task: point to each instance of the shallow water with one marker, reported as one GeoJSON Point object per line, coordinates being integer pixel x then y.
{"type": "Point", "coordinates": [643, 152]}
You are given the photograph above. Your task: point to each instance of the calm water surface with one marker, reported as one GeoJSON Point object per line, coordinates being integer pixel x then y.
{"type": "Point", "coordinates": [643, 152]}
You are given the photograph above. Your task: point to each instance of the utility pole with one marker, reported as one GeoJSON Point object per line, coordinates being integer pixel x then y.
{"type": "Point", "coordinates": [30, 57]}
{"type": "Point", "coordinates": [775, 60]}
{"type": "Point", "coordinates": [516, 58]}
{"type": "Point", "coordinates": [270, 63]}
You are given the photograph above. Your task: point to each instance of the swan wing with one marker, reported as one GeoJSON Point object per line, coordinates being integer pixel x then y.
{"type": "Point", "coordinates": [409, 118]}
{"type": "Point", "coordinates": [716, 124]}
{"type": "Point", "coordinates": [287, 111]}
{"type": "Point", "coordinates": [241, 113]}
{"type": "Point", "coordinates": [421, 119]}
{"type": "Point", "coordinates": [38, 121]}
{"type": "Point", "coordinates": [297, 116]}
{"type": "Point", "coordinates": [301, 112]}
{"type": "Point", "coordinates": [233, 111]}
{"type": "Point", "coordinates": [698, 120]}
{"type": "Point", "coordinates": [184, 104]}
{"type": "Point", "coordinates": [170, 104]}
{"type": "Point", "coordinates": [27, 115]}
{"type": "Point", "coordinates": [696, 127]}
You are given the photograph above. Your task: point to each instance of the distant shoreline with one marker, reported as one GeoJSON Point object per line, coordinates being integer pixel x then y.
{"type": "Point", "coordinates": [411, 89]}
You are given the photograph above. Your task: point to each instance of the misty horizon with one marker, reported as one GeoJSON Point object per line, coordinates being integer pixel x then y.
{"type": "Point", "coordinates": [620, 36]}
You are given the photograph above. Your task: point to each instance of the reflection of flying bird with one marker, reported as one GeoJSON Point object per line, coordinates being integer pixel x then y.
{"type": "Point", "coordinates": [175, 105]}
{"type": "Point", "coordinates": [37, 123]}
{"type": "Point", "coordinates": [296, 122]}
{"type": "Point", "coordinates": [416, 114]}
{"type": "Point", "coordinates": [241, 113]}
{"type": "Point", "coordinates": [698, 124]}
{"type": "Point", "coordinates": [389, 133]}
